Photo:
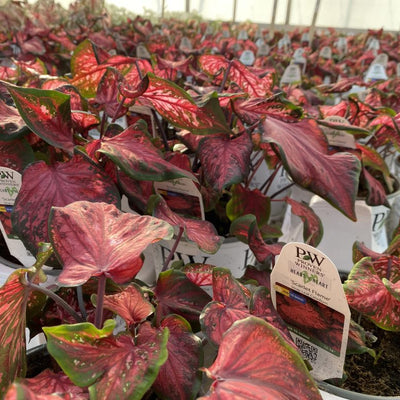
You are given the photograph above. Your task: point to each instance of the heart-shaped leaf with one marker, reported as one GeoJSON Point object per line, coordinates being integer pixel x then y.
{"type": "Point", "coordinates": [225, 161]}
{"type": "Point", "coordinates": [12, 125]}
{"type": "Point", "coordinates": [177, 107]}
{"type": "Point", "coordinates": [47, 113]}
{"type": "Point", "coordinates": [130, 304]}
{"type": "Point", "coordinates": [203, 233]}
{"type": "Point", "coordinates": [176, 294]}
{"type": "Point", "coordinates": [250, 362]}
{"type": "Point", "coordinates": [312, 168]}
{"type": "Point", "coordinates": [111, 366]}
{"type": "Point", "coordinates": [110, 242]}
{"type": "Point", "coordinates": [134, 153]}
{"type": "Point", "coordinates": [312, 225]}
{"type": "Point", "coordinates": [376, 192]}
{"type": "Point", "coordinates": [372, 296]}
{"type": "Point", "coordinates": [44, 186]}
{"type": "Point", "coordinates": [245, 201]}
{"type": "Point", "coordinates": [180, 377]}
{"type": "Point", "coordinates": [230, 304]}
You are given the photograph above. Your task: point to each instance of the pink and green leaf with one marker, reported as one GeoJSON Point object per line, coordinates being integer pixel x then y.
{"type": "Point", "coordinates": [372, 296]}
{"type": "Point", "coordinates": [376, 193]}
{"type": "Point", "coordinates": [47, 113]}
{"type": "Point", "coordinates": [239, 374]}
{"type": "Point", "coordinates": [12, 126]}
{"type": "Point", "coordinates": [180, 377]}
{"type": "Point", "coordinates": [95, 239]}
{"type": "Point", "coordinates": [225, 161]}
{"type": "Point", "coordinates": [312, 225]}
{"type": "Point", "coordinates": [312, 168]}
{"type": "Point", "coordinates": [199, 274]}
{"type": "Point", "coordinates": [203, 233]}
{"type": "Point", "coordinates": [110, 366]}
{"type": "Point", "coordinates": [44, 186]}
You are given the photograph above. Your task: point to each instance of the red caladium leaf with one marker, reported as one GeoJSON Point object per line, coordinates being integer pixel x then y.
{"type": "Point", "coordinates": [16, 154]}
{"type": "Point", "coordinates": [312, 168]}
{"type": "Point", "coordinates": [134, 153]}
{"type": "Point", "coordinates": [112, 367]}
{"type": "Point", "coordinates": [180, 65]}
{"type": "Point", "coordinates": [249, 365]}
{"type": "Point", "coordinates": [9, 74]}
{"type": "Point", "coordinates": [225, 161]}
{"type": "Point", "coordinates": [213, 65]}
{"type": "Point", "coordinates": [246, 230]}
{"type": "Point", "coordinates": [47, 113]}
{"type": "Point", "coordinates": [110, 242]}
{"type": "Point", "coordinates": [245, 201]}
{"type": "Point", "coordinates": [312, 225]}
{"type": "Point", "coordinates": [177, 107]}
{"type": "Point", "coordinates": [130, 304]}
{"type": "Point", "coordinates": [360, 251]}
{"type": "Point", "coordinates": [41, 189]}
{"type": "Point", "coordinates": [252, 110]}
{"type": "Point", "coordinates": [357, 340]}
{"type": "Point", "coordinates": [203, 233]}
{"type": "Point", "coordinates": [126, 90]}
{"type": "Point", "coordinates": [82, 121]}
{"type": "Point", "coordinates": [176, 294]}
{"type": "Point", "coordinates": [376, 192]}
{"type": "Point", "coordinates": [199, 274]}
{"type": "Point", "coordinates": [180, 377]}
{"type": "Point", "coordinates": [20, 391]}
{"type": "Point", "coordinates": [49, 383]}
{"type": "Point", "coordinates": [376, 298]}
{"type": "Point", "coordinates": [343, 85]}
{"type": "Point", "coordinates": [12, 125]}
{"type": "Point", "coordinates": [13, 302]}
{"type": "Point", "coordinates": [230, 304]}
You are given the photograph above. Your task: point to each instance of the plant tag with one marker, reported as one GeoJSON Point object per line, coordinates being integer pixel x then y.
{"type": "Point", "coordinates": [260, 41]}
{"type": "Point", "coordinates": [341, 45]}
{"type": "Point", "coordinates": [242, 35]}
{"type": "Point", "coordinates": [263, 50]}
{"type": "Point", "coordinates": [307, 292]}
{"type": "Point", "coordinates": [142, 52]}
{"type": "Point", "coordinates": [247, 57]}
{"type": "Point", "coordinates": [337, 137]}
{"type": "Point", "coordinates": [291, 75]}
{"type": "Point", "coordinates": [326, 52]}
{"type": "Point", "coordinates": [305, 37]}
{"type": "Point", "coordinates": [10, 183]}
{"type": "Point", "coordinates": [182, 196]}
{"type": "Point", "coordinates": [148, 113]}
{"type": "Point", "coordinates": [285, 41]}
{"type": "Point", "coordinates": [382, 59]}
{"type": "Point", "coordinates": [376, 72]}
{"type": "Point", "coordinates": [373, 44]}
{"type": "Point", "coordinates": [185, 44]}
{"type": "Point", "coordinates": [226, 34]}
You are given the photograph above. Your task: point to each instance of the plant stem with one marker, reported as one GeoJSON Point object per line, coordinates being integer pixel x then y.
{"type": "Point", "coordinates": [120, 105]}
{"type": "Point", "coordinates": [282, 190]}
{"type": "Point", "coordinates": [81, 303]}
{"type": "Point", "coordinates": [264, 188]}
{"type": "Point", "coordinates": [171, 254]}
{"type": "Point", "coordinates": [389, 269]}
{"type": "Point", "coordinates": [57, 299]}
{"type": "Point", "coordinates": [221, 88]}
{"type": "Point", "coordinates": [103, 124]}
{"type": "Point", "coordinates": [255, 168]}
{"type": "Point", "coordinates": [101, 290]}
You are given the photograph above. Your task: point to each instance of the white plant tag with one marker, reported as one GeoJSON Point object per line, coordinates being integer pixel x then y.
{"type": "Point", "coordinates": [247, 57]}
{"type": "Point", "coordinates": [307, 292]}
{"type": "Point", "coordinates": [382, 59]}
{"type": "Point", "coordinates": [373, 44]}
{"type": "Point", "coordinates": [142, 52]}
{"type": "Point", "coordinates": [10, 183]}
{"type": "Point", "coordinates": [242, 35]}
{"type": "Point", "coordinates": [263, 50]}
{"type": "Point", "coordinates": [226, 34]}
{"type": "Point", "coordinates": [184, 192]}
{"type": "Point", "coordinates": [376, 72]}
{"type": "Point", "coordinates": [185, 44]}
{"type": "Point", "coordinates": [260, 41]}
{"type": "Point", "coordinates": [337, 137]}
{"type": "Point", "coordinates": [326, 52]}
{"type": "Point", "coordinates": [341, 45]}
{"type": "Point", "coordinates": [291, 75]}
{"type": "Point", "coordinates": [305, 37]}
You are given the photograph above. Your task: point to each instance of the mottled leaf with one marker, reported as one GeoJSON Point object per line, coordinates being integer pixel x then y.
{"type": "Point", "coordinates": [250, 364]}
{"type": "Point", "coordinates": [203, 233]}
{"type": "Point", "coordinates": [374, 297]}
{"type": "Point", "coordinates": [16, 154]}
{"type": "Point", "coordinates": [44, 186]}
{"type": "Point", "coordinates": [376, 193]}
{"type": "Point", "coordinates": [312, 225]}
{"type": "Point", "coordinates": [112, 367]}
{"type": "Point", "coordinates": [225, 161]}
{"type": "Point", "coordinates": [199, 274]}
{"type": "Point", "coordinates": [179, 378]}
{"type": "Point", "coordinates": [47, 113]}
{"type": "Point", "coordinates": [176, 294]}
{"type": "Point", "coordinates": [95, 239]}
{"type": "Point", "coordinates": [312, 168]}
{"type": "Point", "coordinates": [12, 125]}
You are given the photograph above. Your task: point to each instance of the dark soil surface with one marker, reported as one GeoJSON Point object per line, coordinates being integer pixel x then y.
{"type": "Point", "coordinates": [380, 377]}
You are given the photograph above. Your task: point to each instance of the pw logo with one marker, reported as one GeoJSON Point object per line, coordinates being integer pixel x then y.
{"type": "Point", "coordinates": [307, 255]}
{"type": "Point", "coordinates": [309, 278]}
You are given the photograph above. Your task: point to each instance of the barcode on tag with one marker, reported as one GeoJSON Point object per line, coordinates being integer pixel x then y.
{"type": "Point", "coordinates": [308, 351]}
